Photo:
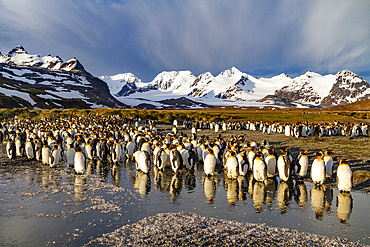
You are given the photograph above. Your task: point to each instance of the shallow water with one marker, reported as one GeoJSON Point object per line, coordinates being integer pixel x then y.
{"type": "Point", "coordinates": [44, 206]}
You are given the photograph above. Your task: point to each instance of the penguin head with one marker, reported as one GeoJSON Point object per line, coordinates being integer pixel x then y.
{"type": "Point", "coordinates": [319, 153]}
{"type": "Point", "coordinates": [344, 161]}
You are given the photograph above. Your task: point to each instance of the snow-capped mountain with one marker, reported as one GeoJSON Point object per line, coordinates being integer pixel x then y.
{"type": "Point", "coordinates": [231, 86]}
{"type": "Point", "coordinates": [329, 90]}
{"type": "Point", "coordinates": [48, 82]}
{"type": "Point", "coordinates": [19, 57]}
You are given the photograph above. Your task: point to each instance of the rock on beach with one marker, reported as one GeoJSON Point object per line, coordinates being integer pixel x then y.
{"type": "Point", "coordinates": [191, 229]}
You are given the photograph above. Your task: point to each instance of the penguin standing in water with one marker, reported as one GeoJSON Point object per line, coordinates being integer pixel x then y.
{"type": "Point", "coordinates": [283, 165]}
{"type": "Point", "coordinates": [344, 177]}
{"type": "Point", "coordinates": [318, 169]}
{"type": "Point", "coordinates": [302, 164]}
{"type": "Point", "coordinates": [328, 160]}
{"type": "Point", "coordinates": [79, 161]}
{"type": "Point", "coordinates": [10, 149]}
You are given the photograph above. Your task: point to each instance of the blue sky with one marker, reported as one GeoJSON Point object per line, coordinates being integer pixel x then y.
{"type": "Point", "coordinates": [262, 38]}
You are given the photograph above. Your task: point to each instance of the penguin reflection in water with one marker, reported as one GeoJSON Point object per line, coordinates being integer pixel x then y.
{"type": "Point", "coordinates": [317, 201]}
{"type": "Point", "coordinates": [344, 206]}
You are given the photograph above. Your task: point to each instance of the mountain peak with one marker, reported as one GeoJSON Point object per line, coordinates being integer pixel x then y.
{"type": "Point", "coordinates": [230, 72]}
{"type": "Point", "coordinates": [17, 50]}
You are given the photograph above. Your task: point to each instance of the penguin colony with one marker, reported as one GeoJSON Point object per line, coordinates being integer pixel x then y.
{"type": "Point", "coordinates": [115, 140]}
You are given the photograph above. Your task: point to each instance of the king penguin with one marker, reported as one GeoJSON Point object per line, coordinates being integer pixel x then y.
{"type": "Point", "coordinates": [344, 177]}
{"type": "Point", "coordinates": [271, 163]}
{"type": "Point", "coordinates": [232, 166]}
{"type": "Point", "coordinates": [79, 161]}
{"type": "Point", "coordinates": [302, 164]}
{"type": "Point", "coordinates": [283, 165]}
{"type": "Point", "coordinates": [318, 169]}
{"type": "Point", "coordinates": [10, 149]}
{"type": "Point", "coordinates": [70, 155]}
{"type": "Point", "coordinates": [259, 168]}
{"type": "Point", "coordinates": [45, 153]}
{"type": "Point", "coordinates": [210, 164]}
{"type": "Point", "coordinates": [328, 159]}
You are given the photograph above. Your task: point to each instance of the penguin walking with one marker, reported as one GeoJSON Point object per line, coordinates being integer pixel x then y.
{"type": "Point", "coordinates": [209, 164]}
{"type": "Point", "coordinates": [232, 166]}
{"type": "Point", "coordinates": [130, 149]}
{"type": "Point", "coordinates": [283, 165]}
{"type": "Point", "coordinates": [10, 149]}
{"type": "Point", "coordinates": [79, 161]}
{"type": "Point", "coordinates": [259, 168]}
{"type": "Point", "coordinates": [328, 160]}
{"type": "Point", "coordinates": [344, 177]}
{"type": "Point", "coordinates": [302, 164]}
{"type": "Point", "coordinates": [318, 169]}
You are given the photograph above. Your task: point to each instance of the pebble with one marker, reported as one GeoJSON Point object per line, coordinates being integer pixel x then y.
{"type": "Point", "coordinates": [191, 229]}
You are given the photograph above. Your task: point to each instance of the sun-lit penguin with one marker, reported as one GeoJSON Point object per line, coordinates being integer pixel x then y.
{"type": "Point", "coordinates": [283, 165]}
{"type": "Point", "coordinates": [19, 147]}
{"type": "Point", "coordinates": [89, 150]}
{"type": "Point", "coordinates": [344, 207]}
{"type": "Point", "coordinates": [209, 165]}
{"type": "Point", "coordinates": [156, 153]}
{"type": "Point", "coordinates": [251, 157]}
{"type": "Point", "coordinates": [79, 161]}
{"type": "Point", "coordinates": [318, 169]}
{"type": "Point", "coordinates": [70, 155]}
{"type": "Point", "coordinates": [344, 177]}
{"type": "Point", "coordinates": [130, 148]}
{"type": "Point", "coordinates": [45, 153]}
{"type": "Point", "coordinates": [142, 161]}
{"type": "Point", "coordinates": [259, 168]}
{"type": "Point", "coordinates": [271, 163]}
{"type": "Point", "coordinates": [302, 164]}
{"type": "Point", "coordinates": [146, 147]}
{"type": "Point", "coordinates": [55, 156]}
{"type": "Point", "coordinates": [317, 201]}
{"type": "Point", "coordinates": [329, 163]}
{"type": "Point", "coordinates": [232, 169]}
{"type": "Point", "coordinates": [10, 149]}
{"type": "Point", "coordinates": [175, 160]}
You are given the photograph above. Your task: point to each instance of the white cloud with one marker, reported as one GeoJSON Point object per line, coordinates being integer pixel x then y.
{"type": "Point", "coordinates": [146, 37]}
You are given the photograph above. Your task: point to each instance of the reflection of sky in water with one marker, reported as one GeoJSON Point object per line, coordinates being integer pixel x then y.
{"type": "Point", "coordinates": [42, 205]}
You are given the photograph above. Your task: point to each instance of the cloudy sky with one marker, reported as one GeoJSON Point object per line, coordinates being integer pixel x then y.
{"type": "Point", "coordinates": [262, 38]}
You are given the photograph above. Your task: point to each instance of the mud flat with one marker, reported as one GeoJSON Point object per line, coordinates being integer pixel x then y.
{"type": "Point", "coordinates": [191, 229]}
